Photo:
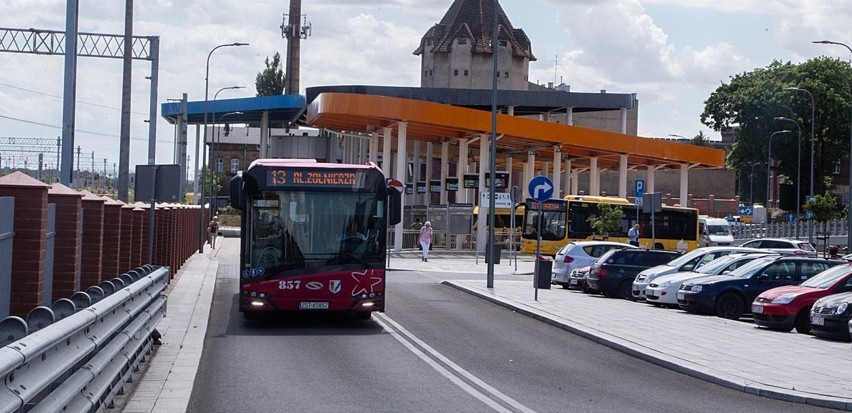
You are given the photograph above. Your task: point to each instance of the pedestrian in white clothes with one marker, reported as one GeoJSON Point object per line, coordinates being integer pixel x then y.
{"type": "Point", "coordinates": [426, 239]}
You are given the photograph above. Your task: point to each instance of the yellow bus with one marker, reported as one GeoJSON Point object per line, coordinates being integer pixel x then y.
{"type": "Point", "coordinates": [502, 218]}
{"type": "Point", "coordinates": [571, 218]}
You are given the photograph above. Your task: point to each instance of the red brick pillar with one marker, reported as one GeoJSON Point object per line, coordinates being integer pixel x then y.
{"type": "Point", "coordinates": [125, 262]}
{"type": "Point", "coordinates": [91, 272]}
{"type": "Point", "coordinates": [112, 238]}
{"type": "Point", "coordinates": [29, 245]}
{"type": "Point", "coordinates": [69, 240]}
{"type": "Point", "coordinates": [145, 231]}
{"type": "Point", "coordinates": [160, 235]}
{"type": "Point", "coordinates": [169, 214]}
{"type": "Point", "coordinates": [139, 219]}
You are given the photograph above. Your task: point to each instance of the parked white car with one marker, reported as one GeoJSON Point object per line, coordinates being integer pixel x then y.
{"type": "Point", "coordinates": [663, 290]}
{"type": "Point", "coordinates": [686, 262]}
{"type": "Point", "coordinates": [784, 246]}
{"type": "Point", "coordinates": [577, 255]}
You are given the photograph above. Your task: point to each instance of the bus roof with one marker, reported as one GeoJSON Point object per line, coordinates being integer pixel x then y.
{"type": "Point", "coordinates": [288, 162]}
{"type": "Point", "coordinates": [607, 199]}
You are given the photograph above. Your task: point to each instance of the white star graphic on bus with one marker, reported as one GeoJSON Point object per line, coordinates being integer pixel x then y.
{"type": "Point", "coordinates": [362, 280]}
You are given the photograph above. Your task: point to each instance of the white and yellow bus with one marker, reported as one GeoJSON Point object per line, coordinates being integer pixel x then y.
{"type": "Point", "coordinates": [571, 218]}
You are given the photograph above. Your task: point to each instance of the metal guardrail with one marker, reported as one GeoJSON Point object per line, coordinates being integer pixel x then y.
{"type": "Point", "coordinates": [76, 356]}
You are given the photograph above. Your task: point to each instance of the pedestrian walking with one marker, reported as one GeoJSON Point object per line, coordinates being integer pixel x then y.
{"type": "Point", "coordinates": [426, 239]}
{"type": "Point", "coordinates": [213, 230]}
{"type": "Point", "coordinates": [633, 235]}
{"type": "Point", "coordinates": [416, 225]}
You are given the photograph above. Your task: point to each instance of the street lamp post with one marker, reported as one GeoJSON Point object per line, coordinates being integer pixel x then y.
{"type": "Point", "coordinates": [769, 166]}
{"type": "Point", "coordinates": [202, 228]}
{"type": "Point", "coordinates": [215, 96]}
{"type": "Point", "coordinates": [798, 171]}
{"type": "Point", "coordinates": [849, 201]}
{"type": "Point", "coordinates": [813, 121]}
{"type": "Point", "coordinates": [215, 152]}
{"type": "Point", "coordinates": [751, 183]}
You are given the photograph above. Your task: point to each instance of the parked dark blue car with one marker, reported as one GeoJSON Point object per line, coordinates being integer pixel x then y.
{"type": "Point", "coordinates": [728, 295]}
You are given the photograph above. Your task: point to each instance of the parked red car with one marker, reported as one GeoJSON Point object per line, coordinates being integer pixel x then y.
{"type": "Point", "coordinates": [788, 307]}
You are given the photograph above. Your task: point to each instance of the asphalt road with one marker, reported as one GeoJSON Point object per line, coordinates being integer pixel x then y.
{"type": "Point", "coordinates": [435, 349]}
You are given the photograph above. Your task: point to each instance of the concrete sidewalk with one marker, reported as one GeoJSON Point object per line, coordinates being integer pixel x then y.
{"type": "Point", "coordinates": [786, 366]}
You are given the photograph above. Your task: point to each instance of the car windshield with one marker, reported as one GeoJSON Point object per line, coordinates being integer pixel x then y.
{"type": "Point", "coordinates": [751, 268]}
{"type": "Point", "coordinates": [685, 258]}
{"type": "Point", "coordinates": [719, 229]}
{"type": "Point", "coordinates": [713, 266]}
{"type": "Point", "coordinates": [828, 277]}
{"type": "Point", "coordinates": [565, 249]}
{"type": "Point", "coordinates": [805, 246]}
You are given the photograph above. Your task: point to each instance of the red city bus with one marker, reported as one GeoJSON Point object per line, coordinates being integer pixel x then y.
{"type": "Point", "coordinates": [313, 236]}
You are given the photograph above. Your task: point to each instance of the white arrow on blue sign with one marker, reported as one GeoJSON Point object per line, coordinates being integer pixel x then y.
{"type": "Point", "coordinates": [540, 188]}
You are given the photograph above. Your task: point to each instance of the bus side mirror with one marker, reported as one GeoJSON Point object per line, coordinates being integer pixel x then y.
{"type": "Point", "coordinates": [394, 206]}
{"type": "Point", "coordinates": [235, 188]}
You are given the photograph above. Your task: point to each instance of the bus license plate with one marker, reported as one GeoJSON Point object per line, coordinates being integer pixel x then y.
{"type": "Point", "coordinates": [313, 305]}
{"type": "Point", "coordinates": [757, 309]}
{"type": "Point", "coordinates": [817, 320]}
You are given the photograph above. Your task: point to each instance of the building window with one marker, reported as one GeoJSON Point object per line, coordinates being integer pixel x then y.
{"type": "Point", "coordinates": [455, 72]}
{"type": "Point", "coordinates": [425, 73]}
{"type": "Point", "coordinates": [506, 75]}
{"type": "Point", "coordinates": [235, 165]}
{"type": "Point", "coordinates": [218, 164]}
{"type": "Point", "coordinates": [462, 40]}
{"type": "Point", "coordinates": [465, 72]}
{"type": "Point", "coordinates": [503, 43]}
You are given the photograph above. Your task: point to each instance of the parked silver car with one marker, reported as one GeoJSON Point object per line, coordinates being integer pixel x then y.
{"type": "Point", "coordinates": [784, 246]}
{"type": "Point", "coordinates": [579, 254]}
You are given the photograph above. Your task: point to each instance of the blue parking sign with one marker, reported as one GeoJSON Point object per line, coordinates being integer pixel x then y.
{"type": "Point", "coordinates": [639, 188]}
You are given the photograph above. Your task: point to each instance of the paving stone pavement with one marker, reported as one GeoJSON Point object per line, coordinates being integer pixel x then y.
{"type": "Point", "coordinates": [735, 354]}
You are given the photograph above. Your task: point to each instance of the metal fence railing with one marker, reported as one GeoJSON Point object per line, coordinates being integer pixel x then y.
{"type": "Point", "coordinates": [835, 228]}
{"type": "Point", "coordinates": [77, 355]}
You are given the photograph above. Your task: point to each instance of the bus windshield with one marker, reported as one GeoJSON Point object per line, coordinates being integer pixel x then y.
{"type": "Point", "coordinates": [298, 231]}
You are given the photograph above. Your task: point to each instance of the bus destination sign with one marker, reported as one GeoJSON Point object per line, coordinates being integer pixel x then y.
{"type": "Point", "coordinates": [315, 178]}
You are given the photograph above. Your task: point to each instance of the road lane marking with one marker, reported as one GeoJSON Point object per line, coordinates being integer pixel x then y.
{"type": "Point", "coordinates": [458, 376]}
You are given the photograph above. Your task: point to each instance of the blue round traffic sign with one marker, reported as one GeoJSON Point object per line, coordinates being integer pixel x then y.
{"type": "Point", "coordinates": [540, 188]}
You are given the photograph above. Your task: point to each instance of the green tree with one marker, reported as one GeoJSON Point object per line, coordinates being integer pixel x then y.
{"type": "Point", "coordinates": [701, 139]}
{"type": "Point", "coordinates": [751, 101]}
{"type": "Point", "coordinates": [609, 220]}
{"type": "Point", "coordinates": [270, 82]}
{"type": "Point", "coordinates": [824, 208]}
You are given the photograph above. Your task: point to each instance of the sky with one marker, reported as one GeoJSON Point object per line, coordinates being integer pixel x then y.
{"type": "Point", "coordinates": [672, 53]}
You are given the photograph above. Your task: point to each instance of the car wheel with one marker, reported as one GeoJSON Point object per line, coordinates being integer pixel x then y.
{"type": "Point", "coordinates": [803, 322]}
{"type": "Point", "coordinates": [625, 290]}
{"type": "Point", "coordinates": [729, 306]}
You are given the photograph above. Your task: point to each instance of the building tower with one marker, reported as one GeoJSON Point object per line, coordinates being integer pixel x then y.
{"type": "Point", "coordinates": [456, 53]}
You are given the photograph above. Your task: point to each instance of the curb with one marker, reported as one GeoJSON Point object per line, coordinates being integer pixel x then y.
{"type": "Point", "coordinates": [662, 360]}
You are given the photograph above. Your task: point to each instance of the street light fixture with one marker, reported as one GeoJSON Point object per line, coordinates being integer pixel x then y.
{"type": "Point", "coordinates": [202, 229]}
{"type": "Point", "coordinates": [813, 121]}
{"type": "Point", "coordinates": [769, 166]}
{"type": "Point", "coordinates": [849, 201]}
{"type": "Point", "coordinates": [798, 171]}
